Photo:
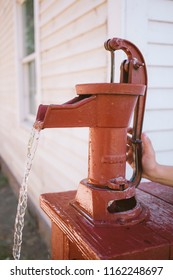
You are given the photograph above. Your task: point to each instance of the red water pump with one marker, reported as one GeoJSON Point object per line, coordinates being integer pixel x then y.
{"type": "Point", "coordinates": [88, 223]}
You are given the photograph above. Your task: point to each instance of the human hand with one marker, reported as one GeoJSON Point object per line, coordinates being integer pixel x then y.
{"type": "Point", "coordinates": [149, 164]}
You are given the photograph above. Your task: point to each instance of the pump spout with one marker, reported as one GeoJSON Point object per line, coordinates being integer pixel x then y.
{"type": "Point", "coordinates": [97, 105]}
{"type": "Point", "coordinates": [78, 112]}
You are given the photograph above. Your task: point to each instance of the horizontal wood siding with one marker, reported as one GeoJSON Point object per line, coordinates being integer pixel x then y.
{"type": "Point", "coordinates": [72, 35]}
{"type": "Point", "coordinates": [149, 24]}
{"type": "Point", "coordinates": [159, 117]}
{"type": "Point", "coordinates": [69, 42]}
{"type": "Point", "coordinates": [8, 102]}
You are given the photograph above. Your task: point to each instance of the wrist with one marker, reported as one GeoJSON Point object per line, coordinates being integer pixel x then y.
{"type": "Point", "coordinates": [162, 174]}
{"type": "Point", "coordinates": [154, 173]}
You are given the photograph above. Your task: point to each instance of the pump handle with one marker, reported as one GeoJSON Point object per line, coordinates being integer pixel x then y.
{"type": "Point", "coordinates": [133, 70]}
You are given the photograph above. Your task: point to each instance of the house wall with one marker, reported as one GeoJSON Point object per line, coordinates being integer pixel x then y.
{"type": "Point", "coordinates": [70, 39]}
{"type": "Point", "coordinates": [160, 65]}
{"type": "Point", "coordinates": [12, 141]}
{"type": "Point", "coordinates": [71, 51]}
{"type": "Point", "coordinates": [149, 24]}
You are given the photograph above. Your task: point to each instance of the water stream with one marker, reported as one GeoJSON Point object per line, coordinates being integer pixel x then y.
{"type": "Point", "coordinates": [22, 202]}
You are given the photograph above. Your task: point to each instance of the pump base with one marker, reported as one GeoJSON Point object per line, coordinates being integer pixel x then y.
{"type": "Point", "coordinates": [75, 237]}
{"type": "Point", "coordinates": [103, 206]}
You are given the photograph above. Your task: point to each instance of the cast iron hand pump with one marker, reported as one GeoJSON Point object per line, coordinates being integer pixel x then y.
{"type": "Point", "coordinates": [106, 196]}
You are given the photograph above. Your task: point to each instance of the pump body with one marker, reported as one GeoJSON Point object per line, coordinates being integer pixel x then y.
{"type": "Point", "coordinates": [105, 202]}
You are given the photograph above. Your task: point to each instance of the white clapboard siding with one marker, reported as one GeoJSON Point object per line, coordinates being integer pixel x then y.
{"type": "Point", "coordinates": [7, 84]}
{"type": "Point", "coordinates": [83, 43]}
{"type": "Point", "coordinates": [75, 64]}
{"type": "Point", "coordinates": [159, 116]}
{"type": "Point", "coordinates": [68, 164]}
{"type": "Point", "coordinates": [52, 9]}
{"type": "Point", "coordinates": [160, 10]}
{"type": "Point", "coordinates": [163, 142]}
{"type": "Point", "coordinates": [160, 77]}
{"type": "Point", "coordinates": [149, 24]}
{"type": "Point", "coordinates": [159, 120]}
{"type": "Point", "coordinates": [155, 28]}
{"type": "Point", "coordinates": [72, 51]}
{"type": "Point", "coordinates": [71, 79]}
{"type": "Point", "coordinates": [165, 157]}
{"type": "Point", "coordinates": [74, 29]}
{"type": "Point", "coordinates": [159, 54]}
{"type": "Point", "coordinates": [159, 99]}
{"type": "Point", "coordinates": [69, 42]}
{"type": "Point", "coordinates": [63, 16]}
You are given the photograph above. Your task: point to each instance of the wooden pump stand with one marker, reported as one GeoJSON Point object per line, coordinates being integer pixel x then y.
{"type": "Point", "coordinates": [107, 218]}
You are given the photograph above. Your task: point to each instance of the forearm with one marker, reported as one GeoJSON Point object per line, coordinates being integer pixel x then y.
{"type": "Point", "coordinates": [162, 174]}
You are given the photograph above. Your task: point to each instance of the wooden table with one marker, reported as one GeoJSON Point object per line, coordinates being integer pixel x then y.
{"type": "Point", "coordinates": [75, 237]}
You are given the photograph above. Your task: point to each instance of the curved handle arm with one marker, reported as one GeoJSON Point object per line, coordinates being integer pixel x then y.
{"type": "Point", "coordinates": [137, 73]}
